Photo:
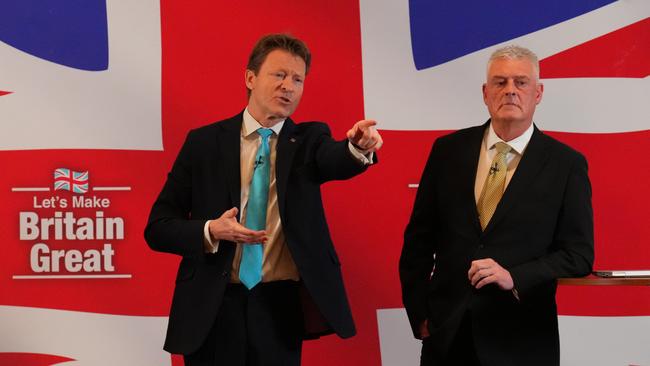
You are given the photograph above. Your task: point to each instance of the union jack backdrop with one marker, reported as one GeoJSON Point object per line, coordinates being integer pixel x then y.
{"type": "Point", "coordinates": [111, 88]}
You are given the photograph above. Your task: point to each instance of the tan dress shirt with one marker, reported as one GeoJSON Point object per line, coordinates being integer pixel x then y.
{"type": "Point", "coordinates": [488, 151]}
{"type": "Point", "coordinates": [277, 263]}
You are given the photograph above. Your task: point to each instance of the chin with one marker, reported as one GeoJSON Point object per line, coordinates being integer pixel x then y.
{"type": "Point", "coordinates": [510, 116]}
{"type": "Point", "coordinates": [282, 114]}
{"type": "Point", "coordinates": [285, 113]}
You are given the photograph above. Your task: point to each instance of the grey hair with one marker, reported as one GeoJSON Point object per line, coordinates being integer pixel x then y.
{"type": "Point", "coordinates": [513, 52]}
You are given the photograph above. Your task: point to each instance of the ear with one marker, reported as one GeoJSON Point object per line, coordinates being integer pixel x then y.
{"type": "Point", "coordinates": [249, 79]}
{"type": "Point", "coordinates": [484, 93]}
{"type": "Point", "coordinates": [539, 91]}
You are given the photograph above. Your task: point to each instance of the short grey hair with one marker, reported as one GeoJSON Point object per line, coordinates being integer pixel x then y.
{"type": "Point", "coordinates": [513, 52]}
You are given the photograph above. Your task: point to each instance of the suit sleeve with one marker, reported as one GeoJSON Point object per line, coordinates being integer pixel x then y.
{"type": "Point", "coordinates": [572, 250]}
{"type": "Point", "coordinates": [170, 228]}
{"type": "Point", "coordinates": [417, 261]}
{"type": "Point", "coordinates": [334, 158]}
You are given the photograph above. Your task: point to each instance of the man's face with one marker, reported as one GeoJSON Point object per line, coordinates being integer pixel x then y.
{"type": "Point", "coordinates": [512, 91]}
{"type": "Point", "coordinates": [277, 88]}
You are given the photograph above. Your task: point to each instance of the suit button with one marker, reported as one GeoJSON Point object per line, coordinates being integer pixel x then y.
{"type": "Point", "coordinates": [481, 246]}
{"type": "Point", "coordinates": [225, 273]}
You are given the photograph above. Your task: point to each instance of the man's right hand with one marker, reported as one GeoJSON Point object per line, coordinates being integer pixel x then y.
{"type": "Point", "coordinates": [365, 137]}
{"type": "Point", "coordinates": [227, 228]}
{"type": "Point", "coordinates": [424, 329]}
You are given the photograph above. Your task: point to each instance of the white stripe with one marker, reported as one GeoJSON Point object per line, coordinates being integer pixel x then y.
{"type": "Point", "coordinates": [584, 340]}
{"type": "Point", "coordinates": [96, 110]}
{"type": "Point", "coordinates": [111, 188]}
{"type": "Point", "coordinates": [414, 185]}
{"type": "Point", "coordinates": [68, 277]}
{"type": "Point", "coordinates": [91, 339]}
{"type": "Point", "coordinates": [30, 189]}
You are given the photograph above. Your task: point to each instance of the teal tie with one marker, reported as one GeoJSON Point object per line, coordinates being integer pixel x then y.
{"type": "Point", "coordinates": [250, 269]}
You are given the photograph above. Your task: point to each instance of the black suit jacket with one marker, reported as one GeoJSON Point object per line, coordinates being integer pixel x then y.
{"type": "Point", "coordinates": [542, 229]}
{"type": "Point", "coordinates": [205, 181]}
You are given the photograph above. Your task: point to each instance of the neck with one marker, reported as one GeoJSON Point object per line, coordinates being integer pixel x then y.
{"type": "Point", "coordinates": [269, 121]}
{"type": "Point", "coordinates": [266, 120]}
{"type": "Point", "coordinates": [508, 130]}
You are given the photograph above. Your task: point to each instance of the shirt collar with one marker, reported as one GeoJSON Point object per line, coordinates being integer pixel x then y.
{"type": "Point", "coordinates": [518, 144]}
{"type": "Point", "coordinates": [251, 125]}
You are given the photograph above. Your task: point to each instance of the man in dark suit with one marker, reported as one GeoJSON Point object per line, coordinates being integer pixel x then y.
{"type": "Point", "coordinates": [251, 287]}
{"type": "Point", "coordinates": [502, 211]}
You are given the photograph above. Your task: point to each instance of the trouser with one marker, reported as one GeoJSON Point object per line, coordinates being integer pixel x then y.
{"type": "Point", "coordinates": [258, 327]}
{"type": "Point", "coordinates": [461, 352]}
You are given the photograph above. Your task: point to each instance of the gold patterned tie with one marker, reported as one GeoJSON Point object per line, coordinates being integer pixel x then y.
{"type": "Point", "coordinates": [494, 185]}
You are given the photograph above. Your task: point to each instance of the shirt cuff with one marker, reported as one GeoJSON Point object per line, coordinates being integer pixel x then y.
{"type": "Point", "coordinates": [362, 156]}
{"type": "Point", "coordinates": [515, 293]}
{"type": "Point", "coordinates": [209, 246]}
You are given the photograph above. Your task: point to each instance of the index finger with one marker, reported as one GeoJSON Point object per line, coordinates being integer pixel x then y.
{"type": "Point", "coordinates": [366, 123]}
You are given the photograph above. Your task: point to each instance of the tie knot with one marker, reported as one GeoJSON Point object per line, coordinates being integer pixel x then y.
{"type": "Point", "coordinates": [503, 148]}
{"type": "Point", "coordinates": [265, 132]}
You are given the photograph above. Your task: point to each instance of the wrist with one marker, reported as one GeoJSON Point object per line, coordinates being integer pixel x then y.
{"type": "Point", "coordinates": [209, 235]}
{"type": "Point", "coordinates": [359, 148]}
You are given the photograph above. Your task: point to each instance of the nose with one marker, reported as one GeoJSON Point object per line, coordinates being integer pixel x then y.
{"type": "Point", "coordinates": [286, 85]}
{"type": "Point", "coordinates": [510, 88]}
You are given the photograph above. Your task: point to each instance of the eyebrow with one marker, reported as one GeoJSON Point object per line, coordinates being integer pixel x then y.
{"type": "Point", "coordinates": [508, 77]}
{"type": "Point", "coordinates": [286, 71]}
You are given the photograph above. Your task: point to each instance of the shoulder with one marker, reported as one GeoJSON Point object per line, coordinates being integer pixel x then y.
{"type": "Point", "coordinates": [558, 149]}
{"type": "Point", "coordinates": [307, 132]}
{"type": "Point", "coordinates": [463, 136]}
{"type": "Point", "coordinates": [312, 127]}
{"type": "Point", "coordinates": [209, 132]}
{"type": "Point", "coordinates": [465, 133]}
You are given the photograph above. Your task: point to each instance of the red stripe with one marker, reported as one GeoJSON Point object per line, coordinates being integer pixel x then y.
{"type": "Point", "coordinates": [31, 359]}
{"type": "Point", "coordinates": [71, 180]}
{"type": "Point", "coordinates": [622, 53]}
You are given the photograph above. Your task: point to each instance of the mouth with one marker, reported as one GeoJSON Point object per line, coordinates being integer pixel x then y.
{"type": "Point", "coordinates": [510, 105]}
{"type": "Point", "coordinates": [284, 100]}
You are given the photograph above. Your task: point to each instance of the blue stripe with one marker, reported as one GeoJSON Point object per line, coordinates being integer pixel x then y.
{"type": "Point", "coordinates": [72, 33]}
{"type": "Point", "coordinates": [443, 30]}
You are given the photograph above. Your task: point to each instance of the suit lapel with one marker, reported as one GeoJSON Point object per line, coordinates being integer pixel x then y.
{"type": "Point", "coordinates": [229, 140]}
{"type": "Point", "coordinates": [531, 163]}
{"type": "Point", "coordinates": [469, 155]}
{"type": "Point", "coordinates": [286, 149]}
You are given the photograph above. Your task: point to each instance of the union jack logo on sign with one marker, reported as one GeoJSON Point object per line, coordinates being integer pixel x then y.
{"type": "Point", "coordinates": [68, 180]}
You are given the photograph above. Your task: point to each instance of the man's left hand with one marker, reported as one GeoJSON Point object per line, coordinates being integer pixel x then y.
{"type": "Point", "coordinates": [364, 136]}
{"type": "Point", "coordinates": [485, 271]}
